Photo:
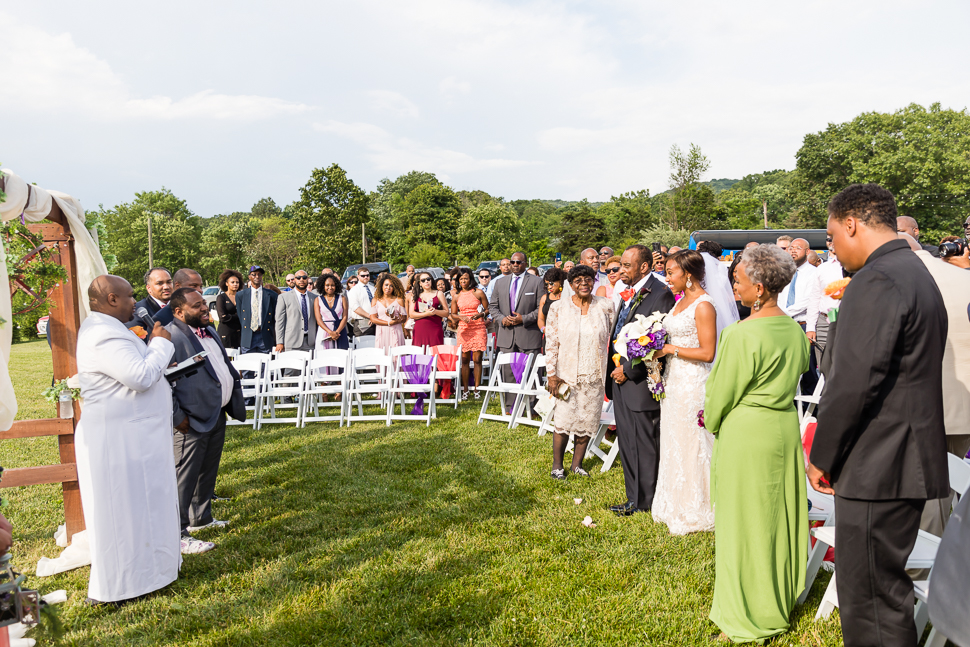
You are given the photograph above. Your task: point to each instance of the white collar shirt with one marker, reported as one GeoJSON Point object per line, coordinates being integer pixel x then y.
{"type": "Point", "coordinates": [215, 359]}
{"type": "Point", "coordinates": [803, 278]}
{"type": "Point", "coordinates": [359, 298]}
{"type": "Point", "coordinates": [818, 303]}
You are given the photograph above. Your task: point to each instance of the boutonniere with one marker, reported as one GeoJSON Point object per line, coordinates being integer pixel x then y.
{"type": "Point", "coordinates": [626, 294]}
{"type": "Point", "coordinates": [140, 332]}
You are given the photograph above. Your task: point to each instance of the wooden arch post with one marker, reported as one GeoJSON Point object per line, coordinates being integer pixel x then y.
{"type": "Point", "coordinates": [65, 320]}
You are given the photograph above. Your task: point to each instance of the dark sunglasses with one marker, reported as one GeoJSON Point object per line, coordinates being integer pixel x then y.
{"type": "Point", "coordinates": [423, 280]}
{"type": "Point", "coordinates": [612, 270]}
{"type": "Point", "coordinates": [302, 278]}
{"type": "Point", "coordinates": [517, 262]}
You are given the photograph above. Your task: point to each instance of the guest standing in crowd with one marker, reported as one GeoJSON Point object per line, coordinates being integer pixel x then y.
{"type": "Point", "coordinates": [682, 499]}
{"type": "Point", "coordinates": [957, 260]}
{"type": "Point", "coordinates": [183, 278]}
{"type": "Point", "coordinates": [515, 306]}
{"type": "Point", "coordinates": [907, 225]}
{"type": "Point", "coordinates": [125, 466]}
{"type": "Point", "coordinates": [568, 265]}
{"type": "Point", "coordinates": [200, 404]}
{"type": "Point", "coordinates": [505, 266]}
{"type": "Point", "coordinates": [783, 242]}
{"type": "Point", "coordinates": [554, 280]}
{"type": "Point", "coordinates": [360, 298]}
{"type": "Point", "coordinates": [158, 282]}
{"type": "Point", "coordinates": [534, 271]}
{"type": "Point", "coordinates": [880, 439]}
{"type": "Point", "coordinates": [471, 308]}
{"type": "Point", "coordinates": [229, 324]}
{"type": "Point", "coordinates": [389, 312]}
{"type": "Point", "coordinates": [612, 275]}
{"type": "Point", "coordinates": [819, 305]}
{"type": "Point", "coordinates": [605, 254]}
{"type": "Point", "coordinates": [257, 313]}
{"type": "Point", "coordinates": [331, 314]}
{"type": "Point", "coordinates": [427, 307]}
{"type": "Point", "coordinates": [637, 411]}
{"type": "Point", "coordinates": [794, 300]}
{"type": "Point", "coordinates": [589, 258]}
{"type": "Point", "coordinates": [577, 347]}
{"type": "Point", "coordinates": [758, 477]}
{"type": "Point", "coordinates": [485, 282]}
{"type": "Point", "coordinates": [296, 327]}
{"type": "Point", "coordinates": [743, 311]}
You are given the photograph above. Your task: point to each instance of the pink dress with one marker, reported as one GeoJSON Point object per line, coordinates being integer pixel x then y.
{"type": "Point", "coordinates": [471, 334]}
{"type": "Point", "coordinates": [388, 337]}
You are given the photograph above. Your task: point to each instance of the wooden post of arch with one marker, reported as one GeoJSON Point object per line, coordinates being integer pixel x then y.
{"type": "Point", "coordinates": [65, 320]}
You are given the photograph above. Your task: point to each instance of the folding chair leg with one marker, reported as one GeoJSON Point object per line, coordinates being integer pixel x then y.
{"type": "Point", "coordinates": [829, 601]}
{"type": "Point", "coordinates": [815, 559]}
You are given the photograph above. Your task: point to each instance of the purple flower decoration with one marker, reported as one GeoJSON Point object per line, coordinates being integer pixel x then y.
{"type": "Point", "coordinates": [700, 419]}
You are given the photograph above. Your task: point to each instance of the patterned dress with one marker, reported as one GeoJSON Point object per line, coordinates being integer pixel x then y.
{"type": "Point", "coordinates": [471, 334]}
{"type": "Point", "coordinates": [576, 350]}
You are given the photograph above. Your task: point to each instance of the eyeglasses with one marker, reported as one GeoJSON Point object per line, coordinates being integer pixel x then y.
{"type": "Point", "coordinates": [612, 270]}
{"type": "Point", "coordinates": [828, 239]}
{"type": "Point", "coordinates": [582, 279]}
{"type": "Point", "coordinates": [517, 262]}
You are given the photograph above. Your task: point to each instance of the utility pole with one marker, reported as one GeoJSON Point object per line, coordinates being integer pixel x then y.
{"type": "Point", "coordinates": [764, 207]}
{"type": "Point", "coordinates": [363, 244]}
{"type": "Point", "coordinates": [151, 257]}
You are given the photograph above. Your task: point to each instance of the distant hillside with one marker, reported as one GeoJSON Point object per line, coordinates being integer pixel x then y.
{"type": "Point", "coordinates": [559, 204]}
{"type": "Point", "coordinates": [721, 185]}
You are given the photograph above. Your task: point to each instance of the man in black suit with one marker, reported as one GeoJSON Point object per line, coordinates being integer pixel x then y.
{"type": "Point", "coordinates": [908, 225]}
{"type": "Point", "coordinates": [259, 322]}
{"type": "Point", "coordinates": [200, 403]}
{"type": "Point", "coordinates": [183, 278]}
{"type": "Point", "coordinates": [158, 282]}
{"type": "Point", "coordinates": [637, 412]}
{"type": "Point", "coordinates": [880, 437]}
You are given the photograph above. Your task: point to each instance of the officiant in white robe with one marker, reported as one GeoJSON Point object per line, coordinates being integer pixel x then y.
{"type": "Point", "coordinates": [125, 464]}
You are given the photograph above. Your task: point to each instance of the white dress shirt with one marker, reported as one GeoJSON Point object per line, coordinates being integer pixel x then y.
{"type": "Point", "coordinates": [818, 303]}
{"type": "Point", "coordinates": [358, 298]}
{"type": "Point", "coordinates": [804, 276]}
{"type": "Point", "coordinates": [222, 371]}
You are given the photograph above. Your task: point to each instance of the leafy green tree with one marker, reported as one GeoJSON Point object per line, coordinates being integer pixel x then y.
{"type": "Point", "coordinates": [921, 155]}
{"type": "Point", "coordinates": [266, 208]}
{"type": "Point", "coordinates": [661, 233]}
{"type": "Point", "coordinates": [538, 224]}
{"type": "Point", "coordinates": [385, 205]}
{"type": "Point", "coordinates": [176, 235]}
{"type": "Point", "coordinates": [275, 247]}
{"type": "Point", "coordinates": [487, 232]}
{"type": "Point", "coordinates": [430, 214]}
{"type": "Point", "coordinates": [226, 240]}
{"type": "Point", "coordinates": [626, 215]}
{"type": "Point", "coordinates": [425, 255]}
{"type": "Point", "coordinates": [581, 227]}
{"type": "Point", "coordinates": [690, 203]}
{"type": "Point", "coordinates": [329, 215]}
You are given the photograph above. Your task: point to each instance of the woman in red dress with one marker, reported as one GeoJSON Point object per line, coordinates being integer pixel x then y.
{"type": "Point", "coordinates": [426, 306]}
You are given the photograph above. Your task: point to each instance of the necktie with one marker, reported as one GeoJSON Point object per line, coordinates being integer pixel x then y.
{"type": "Point", "coordinates": [306, 315]}
{"type": "Point", "coordinates": [257, 307]}
{"type": "Point", "coordinates": [515, 288]}
{"type": "Point", "coordinates": [370, 295]}
{"type": "Point", "coordinates": [621, 319]}
{"type": "Point", "coordinates": [202, 333]}
{"type": "Point", "coordinates": [791, 291]}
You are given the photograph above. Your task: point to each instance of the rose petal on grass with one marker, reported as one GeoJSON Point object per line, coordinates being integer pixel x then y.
{"type": "Point", "coordinates": [577, 501]}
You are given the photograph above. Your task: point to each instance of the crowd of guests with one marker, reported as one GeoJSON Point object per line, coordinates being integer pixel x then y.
{"type": "Point", "coordinates": [719, 449]}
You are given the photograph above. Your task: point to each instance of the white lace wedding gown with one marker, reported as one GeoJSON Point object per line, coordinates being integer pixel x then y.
{"type": "Point", "coordinates": [683, 498]}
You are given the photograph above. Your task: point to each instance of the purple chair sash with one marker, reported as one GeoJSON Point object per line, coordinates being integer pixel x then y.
{"type": "Point", "coordinates": [519, 361]}
{"type": "Point", "coordinates": [417, 370]}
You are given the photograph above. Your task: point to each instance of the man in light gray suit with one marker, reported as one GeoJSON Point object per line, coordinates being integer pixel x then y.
{"type": "Point", "coordinates": [514, 305]}
{"type": "Point", "coordinates": [296, 327]}
{"type": "Point", "coordinates": [200, 403]}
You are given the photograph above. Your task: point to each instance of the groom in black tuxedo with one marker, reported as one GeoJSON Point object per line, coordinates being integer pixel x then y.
{"type": "Point", "coordinates": [637, 412]}
{"type": "Point", "coordinates": [880, 438]}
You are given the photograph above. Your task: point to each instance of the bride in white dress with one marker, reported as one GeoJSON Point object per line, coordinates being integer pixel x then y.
{"type": "Point", "coordinates": [683, 499]}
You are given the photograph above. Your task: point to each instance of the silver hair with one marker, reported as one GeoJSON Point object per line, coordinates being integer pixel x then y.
{"type": "Point", "coordinates": [769, 265]}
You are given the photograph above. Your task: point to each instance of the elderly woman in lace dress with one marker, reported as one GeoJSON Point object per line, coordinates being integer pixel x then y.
{"type": "Point", "coordinates": [577, 345]}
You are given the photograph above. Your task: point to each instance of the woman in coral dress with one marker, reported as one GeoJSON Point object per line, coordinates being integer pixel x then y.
{"type": "Point", "coordinates": [471, 308]}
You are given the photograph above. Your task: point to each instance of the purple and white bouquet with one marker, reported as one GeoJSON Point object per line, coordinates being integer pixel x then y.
{"type": "Point", "coordinates": [638, 341]}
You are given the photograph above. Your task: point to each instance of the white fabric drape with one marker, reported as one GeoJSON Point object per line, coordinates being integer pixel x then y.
{"type": "Point", "coordinates": [717, 284]}
{"type": "Point", "coordinates": [34, 203]}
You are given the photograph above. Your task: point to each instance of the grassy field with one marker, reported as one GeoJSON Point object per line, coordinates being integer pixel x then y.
{"type": "Point", "coordinates": [408, 535]}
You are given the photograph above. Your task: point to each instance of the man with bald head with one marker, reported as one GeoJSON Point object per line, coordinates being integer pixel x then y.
{"type": "Point", "coordinates": [184, 278]}
{"type": "Point", "coordinates": [908, 226]}
{"type": "Point", "coordinates": [125, 464]}
{"type": "Point", "coordinates": [590, 258]}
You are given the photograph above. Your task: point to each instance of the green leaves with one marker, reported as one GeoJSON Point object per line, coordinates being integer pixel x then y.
{"type": "Point", "coordinates": [329, 216]}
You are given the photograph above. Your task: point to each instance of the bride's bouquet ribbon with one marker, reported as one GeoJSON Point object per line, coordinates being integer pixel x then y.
{"type": "Point", "coordinates": [417, 370]}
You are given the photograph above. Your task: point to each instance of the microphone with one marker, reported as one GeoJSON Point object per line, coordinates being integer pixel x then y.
{"type": "Point", "coordinates": [146, 319]}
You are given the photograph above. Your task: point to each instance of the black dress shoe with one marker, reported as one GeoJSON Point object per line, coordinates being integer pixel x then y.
{"type": "Point", "coordinates": [620, 506]}
{"type": "Point", "coordinates": [629, 511]}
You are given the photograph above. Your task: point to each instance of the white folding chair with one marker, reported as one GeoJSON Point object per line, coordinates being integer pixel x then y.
{"type": "Point", "coordinates": [401, 387]}
{"type": "Point", "coordinates": [326, 376]}
{"type": "Point", "coordinates": [497, 385]}
{"type": "Point", "coordinates": [232, 352]}
{"type": "Point", "coordinates": [448, 367]}
{"type": "Point", "coordinates": [367, 341]}
{"type": "Point", "coordinates": [607, 418]}
{"type": "Point", "coordinates": [252, 387]}
{"type": "Point", "coordinates": [532, 387]}
{"type": "Point", "coordinates": [305, 355]}
{"type": "Point", "coordinates": [823, 509]}
{"type": "Point", "coordinates": [280, 385]}
{"type": "Point", "coordinates": [370, 375]}
{"type": "Point", "coordinates": [811, 401]}
{"type": "Point", "coordinates": [924, 552]}
{"type": "Point", "coordinates": [488, 357]}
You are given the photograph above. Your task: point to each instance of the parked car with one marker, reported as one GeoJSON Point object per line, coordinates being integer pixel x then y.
{"type": "Point", "coordinates": [435, 272]}
{"type": "Point", "coordinates": [210, 294]}
{"type": "Point", "coordinates": [373, 268]}
{"type": "Point", "coordinates": [545, 267]}
{"type": "Point", "coordinates": [491, 266]}
{"type": "Point", "coordinates": [42, 326]}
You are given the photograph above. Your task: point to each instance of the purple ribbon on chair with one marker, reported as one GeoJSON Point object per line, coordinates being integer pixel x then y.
{"type": "Point", "coordinates": [519, 361]}
{"type": "Point", "coordinates": [417, 370]}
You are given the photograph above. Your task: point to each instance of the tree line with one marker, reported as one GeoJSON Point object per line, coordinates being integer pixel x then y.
{"type": "Point", "coordinates": [921, 154]}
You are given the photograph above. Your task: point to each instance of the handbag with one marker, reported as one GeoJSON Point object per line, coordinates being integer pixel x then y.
{"type": "Point", "coordinates": [950, 579]}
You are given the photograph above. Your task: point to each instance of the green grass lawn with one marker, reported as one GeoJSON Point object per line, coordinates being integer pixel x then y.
{"type": "Point", "coordinates": [408, 535]}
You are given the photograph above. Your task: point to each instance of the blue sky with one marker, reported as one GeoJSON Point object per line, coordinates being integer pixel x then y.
{"type": "Point", "coordinates": [227, 102]}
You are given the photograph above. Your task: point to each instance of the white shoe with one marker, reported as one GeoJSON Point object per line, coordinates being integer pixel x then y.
{"type": "Point", "coordinates": [193, 546]}
{"type": "Point", "coordinates": [215, 523]}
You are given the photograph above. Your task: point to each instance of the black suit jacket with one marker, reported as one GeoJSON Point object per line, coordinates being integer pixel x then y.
{"type": "Point", "coordinates": [267, 320]}
{"type": "Point", "coordinates": [636, 392]}
{"type": "Point", "coordinates": [880, 424]}
{"type": "Point", "coordinates": [149, 304]}
{"type": "Point", "coordinates": [199, 396]}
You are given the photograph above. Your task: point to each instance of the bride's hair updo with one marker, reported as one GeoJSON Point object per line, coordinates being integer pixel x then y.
{"type": "Point", "coordinates": [769, 265]}
{"type": "Point", "coordinates": [690, 262]}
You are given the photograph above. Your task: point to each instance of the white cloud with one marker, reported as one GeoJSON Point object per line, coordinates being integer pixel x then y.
{"type": "Point", "coordinates": [451, 87]}
{"type": "Point", "coordinates": [399, 154]}
{"type": "Point", "coordinates": [46, 72]}
{"type": "Point", "coordinates": [393, 102]}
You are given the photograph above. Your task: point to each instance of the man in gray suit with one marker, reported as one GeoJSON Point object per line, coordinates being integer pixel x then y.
{"type": "Point", "coordinates": [296, 327]}
{"type": "Point", "coordinates": [200, 403]}
{"type": "Point", "coordinates": [515, 306]}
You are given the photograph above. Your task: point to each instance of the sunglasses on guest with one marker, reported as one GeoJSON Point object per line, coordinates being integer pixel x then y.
{"type": "Point", "coordinates": [612, 270]}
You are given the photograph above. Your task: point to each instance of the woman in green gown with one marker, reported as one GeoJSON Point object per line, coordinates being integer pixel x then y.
{"type": "Point", "coordinates": [758, 485]}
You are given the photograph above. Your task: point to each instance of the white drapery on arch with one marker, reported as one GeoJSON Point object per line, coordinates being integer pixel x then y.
{"type": "Point", "coordinates": [34, 203]}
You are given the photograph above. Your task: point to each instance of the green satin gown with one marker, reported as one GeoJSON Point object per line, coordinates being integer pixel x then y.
{"type": "Point", "coordinates": [758, 485]}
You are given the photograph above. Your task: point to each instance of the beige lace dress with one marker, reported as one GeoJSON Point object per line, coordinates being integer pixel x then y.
{"type": "Point", "coordinates": [577, 346]}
